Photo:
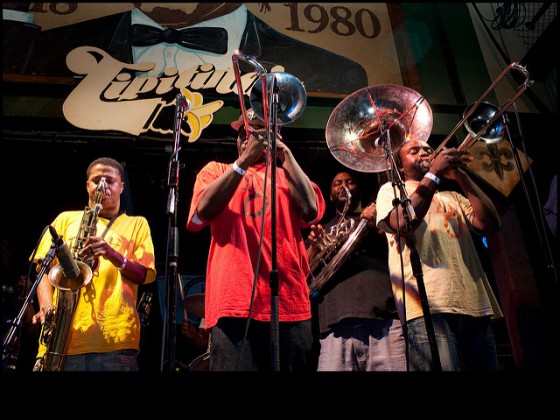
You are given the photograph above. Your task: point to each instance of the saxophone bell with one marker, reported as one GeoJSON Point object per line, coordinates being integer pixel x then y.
{"type": "Point", "coordinates": [69, 274]}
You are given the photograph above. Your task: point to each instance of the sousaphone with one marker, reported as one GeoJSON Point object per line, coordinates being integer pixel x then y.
{"type": "Point", "coordinates": [358, 131]}
{"type": "Point", "coordinates": [355, 127]}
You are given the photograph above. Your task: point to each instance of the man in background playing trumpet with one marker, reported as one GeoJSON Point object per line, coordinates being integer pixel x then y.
{"type": "Point", "coordinates": [461, 301]}
{"type": "Point", "coordinates": [359, 328]}
{"type": "Point", "coordinates": [105, 332]}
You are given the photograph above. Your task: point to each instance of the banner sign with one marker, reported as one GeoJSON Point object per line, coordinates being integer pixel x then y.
{"type": "Point", "coordinates": [133, 58]}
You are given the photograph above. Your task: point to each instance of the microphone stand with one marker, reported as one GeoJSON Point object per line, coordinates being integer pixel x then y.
{"type": "Point", "coordinates": [172, 272]}
{"type": "Point", "coordinates": [268, 97]}
{"type": "Point", "coordinates": [7, 346]}
{"type": "Point", "coordinates": [416, 264]}
{"type": "Point", "coordinates": [274, 286]}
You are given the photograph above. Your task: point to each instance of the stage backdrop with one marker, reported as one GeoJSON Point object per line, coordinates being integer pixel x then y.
{"type": "Point", "coordinates": [132, 59]}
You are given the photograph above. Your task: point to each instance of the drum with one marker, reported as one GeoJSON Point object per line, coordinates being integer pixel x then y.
{"type": "Point", "coordinates": [201, 363]}
{"type": "Point", "coordinates": [194, 304]}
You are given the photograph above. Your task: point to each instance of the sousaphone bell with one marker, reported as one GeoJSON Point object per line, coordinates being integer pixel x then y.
{"type": "Point", "coordinates": [358, 131]}
{"type": "Point", "coordinates": [355, 127]}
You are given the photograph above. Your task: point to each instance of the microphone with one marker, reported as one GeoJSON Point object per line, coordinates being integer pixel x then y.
{"type": "Point", "coordinates": [183, 103]}
{"type": "Point", "coordinates": [69, 266]}
{"type": "Point", "coordinates": [379, 143]}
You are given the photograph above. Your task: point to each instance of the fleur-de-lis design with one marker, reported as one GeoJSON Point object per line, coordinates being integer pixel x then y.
{"type": "Point", "coordinates": [495, 155]}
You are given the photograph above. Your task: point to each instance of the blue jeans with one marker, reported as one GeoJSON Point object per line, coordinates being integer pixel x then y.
{"type": "Point", "coordinates": [121, 361]}
{"type": "Point", "coordinates": [356, 344]}
{"type": "Point", "coordinates": [464, 343]}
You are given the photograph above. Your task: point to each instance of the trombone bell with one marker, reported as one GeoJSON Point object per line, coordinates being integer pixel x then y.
{"type": "Point", "coordinates": [486, 116]}
{"type": "Point", "coordinates": [292, 97]}
{"type": "Point", "coordinates": [479, 120]}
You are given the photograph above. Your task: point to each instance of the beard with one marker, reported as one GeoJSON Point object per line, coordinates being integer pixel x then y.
{"type": "Point", "coordinates": [418, 170]}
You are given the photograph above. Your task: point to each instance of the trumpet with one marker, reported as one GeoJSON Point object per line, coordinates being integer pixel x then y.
{"type": "Point", "coordinates": [292, 97]}
{"type": "Point", "coordinates": [481, 118]}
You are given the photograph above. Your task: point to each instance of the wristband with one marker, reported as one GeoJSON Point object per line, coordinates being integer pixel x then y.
{"type": "Point", "coordinates": [432, 177]}
{"type": "Point", "coordinates": [123, 265]}
{"type": "Point", "coordinates": [237, 169]}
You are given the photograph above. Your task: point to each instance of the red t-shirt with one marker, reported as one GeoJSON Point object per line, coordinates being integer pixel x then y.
{"type": "Point", "coordinates": [234, 249]}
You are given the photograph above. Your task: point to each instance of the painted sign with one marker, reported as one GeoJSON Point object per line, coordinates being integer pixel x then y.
{"type": "Point", "coordinates": [134, 58]}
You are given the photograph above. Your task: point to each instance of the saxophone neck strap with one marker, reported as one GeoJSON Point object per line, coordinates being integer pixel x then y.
{"type": "Point", "coordinates": [115, 217]}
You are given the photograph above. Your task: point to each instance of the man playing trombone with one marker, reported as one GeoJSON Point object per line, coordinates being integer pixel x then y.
{"type": "Point", "coordinates": [437, 224]}
{"type": "Point", "coordinates": [234, 200]}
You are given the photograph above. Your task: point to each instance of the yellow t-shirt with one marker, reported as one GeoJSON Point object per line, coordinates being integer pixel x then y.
{"type": "Point", "coordinates": [105, 318]}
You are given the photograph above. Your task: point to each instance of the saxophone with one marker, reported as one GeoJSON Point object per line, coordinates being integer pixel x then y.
{"type": "Point", "coordinates": [58, 319]}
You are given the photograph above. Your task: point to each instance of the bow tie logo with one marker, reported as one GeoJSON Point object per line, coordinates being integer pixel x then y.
{"type": "Point", "coordinates": [205, 39]}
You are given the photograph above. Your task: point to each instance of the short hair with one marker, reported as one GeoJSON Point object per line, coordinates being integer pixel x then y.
{"type": "Point", "coordinates": [108, 162]}
{"type": "Point", "coordinates": [356, 176]}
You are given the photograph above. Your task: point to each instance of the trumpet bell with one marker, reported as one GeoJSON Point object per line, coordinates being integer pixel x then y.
{"type": "Point", "coordinates": [355, 126]}
{"type": "Point", "coordinates": [292, 97]}
{"type": "Point", "coordinates": [479, 120]}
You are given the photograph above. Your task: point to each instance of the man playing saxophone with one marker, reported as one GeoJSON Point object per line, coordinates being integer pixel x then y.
{"type": "Point", "coordinates": [104, 332]}
{"type": "Point", "coordinates": [358, 325]}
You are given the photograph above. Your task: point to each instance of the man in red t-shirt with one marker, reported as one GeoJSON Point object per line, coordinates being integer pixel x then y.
{"type": "Point", "coordinates": [230, 198]}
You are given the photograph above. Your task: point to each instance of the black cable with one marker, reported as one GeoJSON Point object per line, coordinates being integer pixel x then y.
{"type": "Point", "coordinates": [536, 101]}
{"type": "Point", "coordinates": [508, 17]}
{"type": "Point", "coordinates": [504, 56]}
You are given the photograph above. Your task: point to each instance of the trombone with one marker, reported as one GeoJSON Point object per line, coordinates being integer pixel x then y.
{"type": "Point", "coordinates": [261, 73]}
{"type": "Point", "coordinates": [292, 97]}
{"type": "Point", "coordinates": [488, 116]}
